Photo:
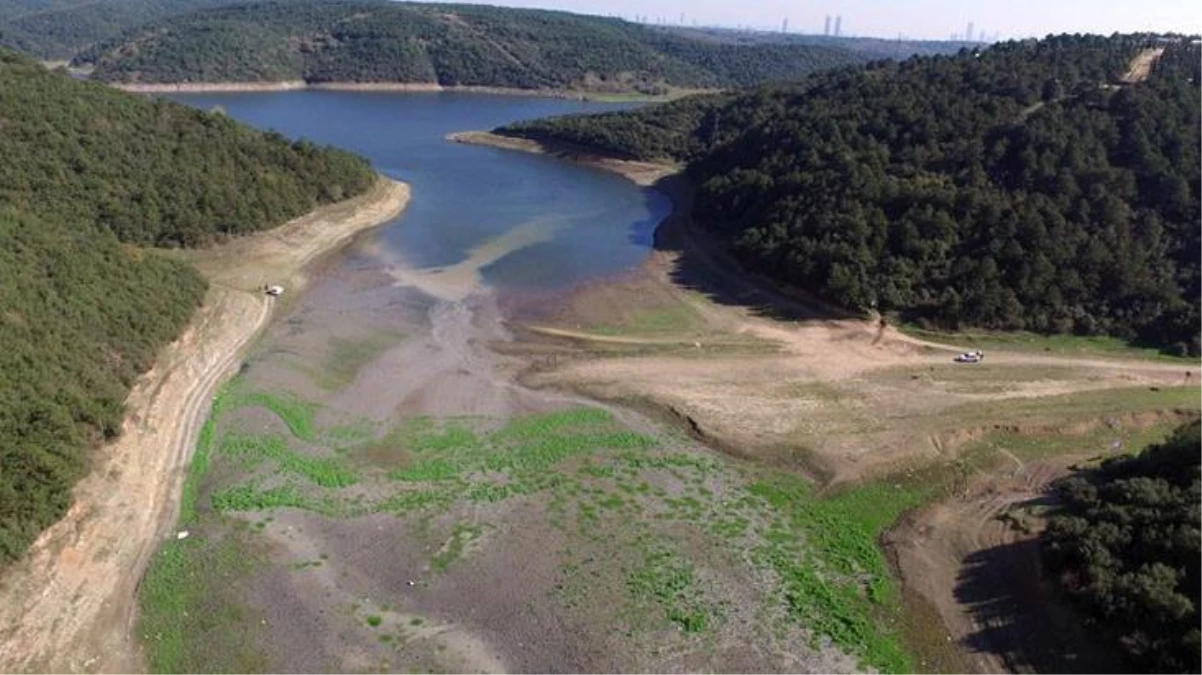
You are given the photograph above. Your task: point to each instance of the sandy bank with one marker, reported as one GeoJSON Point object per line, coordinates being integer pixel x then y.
{"type": "Point", "coordinates": [642, 173]}
{"type": "Point", "coordinates": [70, 603]}
{"type": "Point", "coordinates": [417, 87]}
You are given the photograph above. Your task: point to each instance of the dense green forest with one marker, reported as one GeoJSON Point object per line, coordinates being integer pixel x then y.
{"type": "Point", "coordinates": [1127, 545]}
{"type": "Point", "coordinates": [90, 174]}
{"type": "Point", "coordinates": [1024, 186]}
{"type": "Point", "coordinates": [869, 47]}
{"type": "Point", "coordinates": [378, 41]}
{"type": "Point", "coordinates": [59, 29]}
{"type": "Point", "coordinates": [152, 171]}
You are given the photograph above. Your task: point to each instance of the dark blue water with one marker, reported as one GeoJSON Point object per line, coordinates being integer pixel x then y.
{"type": "Point", "coordinates": [465, 196]}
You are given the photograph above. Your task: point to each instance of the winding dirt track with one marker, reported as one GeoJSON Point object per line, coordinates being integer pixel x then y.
{"type": "Point", "coordinates": [70, 603]}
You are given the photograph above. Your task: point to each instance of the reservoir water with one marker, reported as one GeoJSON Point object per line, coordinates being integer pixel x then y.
{"type": "Point", "coordinates": [534, 222]}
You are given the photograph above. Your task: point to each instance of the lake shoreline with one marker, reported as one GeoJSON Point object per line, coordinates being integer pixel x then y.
{"type": "Point", "coordinates": [678, 231]}
{"type": "Point", "coordinates": [388, 87]}
{"type": "Point", "coordinates": [72, 599]}
{"type": "Point", "coordinates": [644, 174]}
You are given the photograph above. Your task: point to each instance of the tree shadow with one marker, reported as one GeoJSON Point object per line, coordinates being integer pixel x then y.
{"type": "Point", "coordinates": [703, 266]}
{"type": "Point", "coordinates": [1020, 618]}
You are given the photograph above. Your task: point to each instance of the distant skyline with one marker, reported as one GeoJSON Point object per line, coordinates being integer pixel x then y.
{"type": "Point", "coordinates": [919, 19]}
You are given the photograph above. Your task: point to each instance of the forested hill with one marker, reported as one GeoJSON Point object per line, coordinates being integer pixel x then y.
{"type": "Point", "coordinates": [90, 174]}
{"type": "Point", "coordinates": [1125, 542]}
{"type": "Point", "coordinates": [380, 41]}
{"type": "Point", "coordinates": [1032, 185]}
{"type": "Point", "coordinates": [59, 29]}
{"type": "Point", "coordinates": [869, 47]}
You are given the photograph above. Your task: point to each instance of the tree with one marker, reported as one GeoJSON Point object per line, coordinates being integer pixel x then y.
{"type": "Point", "coordinates": [1126, 543]}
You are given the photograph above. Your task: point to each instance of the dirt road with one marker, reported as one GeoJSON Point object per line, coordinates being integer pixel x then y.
{"type": "Point", "coordinates": [982, 572]}
{"type": "Point", "coordinates": [1141, 65]}
{"type": "Point", "coordinates": [70, 603]}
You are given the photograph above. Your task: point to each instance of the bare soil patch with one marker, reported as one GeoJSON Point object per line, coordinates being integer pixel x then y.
{"type": "Point", "coordinates": [857, 398]}
{"type": "Point", "coordinates": [1141, 65]}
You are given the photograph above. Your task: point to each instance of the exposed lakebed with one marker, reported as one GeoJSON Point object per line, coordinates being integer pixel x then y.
{"type": "Point", "coordinates": [376, 491]}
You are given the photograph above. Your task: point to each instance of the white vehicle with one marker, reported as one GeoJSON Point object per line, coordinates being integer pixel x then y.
{"type": "Point", "coordinates": [971, 357]}
{"type": "Point", "coordinates": [275, 291]}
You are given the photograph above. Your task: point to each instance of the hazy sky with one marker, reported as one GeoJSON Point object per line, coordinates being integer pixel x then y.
{"type": "Point", "coordinates": [915, 18]}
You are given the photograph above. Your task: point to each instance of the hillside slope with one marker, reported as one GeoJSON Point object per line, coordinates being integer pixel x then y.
{"type": "Point", "coordinates": [870, 47]}
{"type": "Point", "coordinates": [59, 29]}
{"type": "Point", "coordinates": [375, 41]}
{"type": "Point", "coordinates": [1022, 187]}
{"type": "Point", "coordinates": [89, 174]}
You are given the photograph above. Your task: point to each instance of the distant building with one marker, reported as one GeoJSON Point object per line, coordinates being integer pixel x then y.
{"type": "Point", "coordinates": [838, 25]}
{"type": "Point", "coordinates": [827, 30]}
{"type": "Point", "coordinates": [968, 33]}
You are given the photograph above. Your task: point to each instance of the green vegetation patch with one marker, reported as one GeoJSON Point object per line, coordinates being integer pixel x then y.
{"type": "Point", "coordinates": [245, 498]}
{"type": "Point", "coordinates": [447, 460]}
{"type": "Point", "coordinates": [669, 579]}
{"type": "Point", "coordinates": [834, 578]}
{"type": "Point", "coordinates": [682, 510]}
{"type": "Point", "coordinates": [298, 414]}
{"type": "Point", "coordinates": [193, 616]}
{"type": "Point", "coordinates": [202, 458]}
{"type": "Point", "coordinates": [518, 458]}
{"type": "Point", "coordinates": [332, 472]}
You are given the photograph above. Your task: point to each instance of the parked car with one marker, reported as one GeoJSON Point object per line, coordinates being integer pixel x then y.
{"type": "Point", "coordinates": [971, 357]}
